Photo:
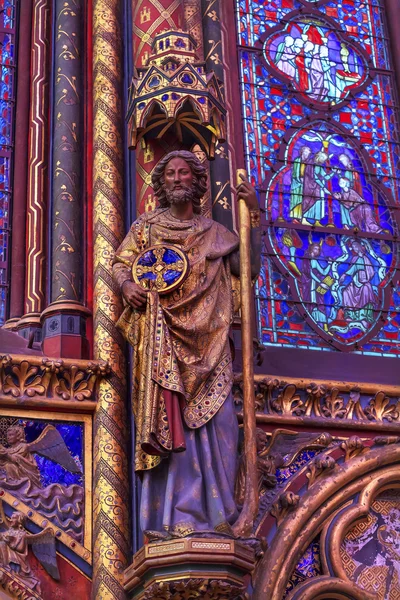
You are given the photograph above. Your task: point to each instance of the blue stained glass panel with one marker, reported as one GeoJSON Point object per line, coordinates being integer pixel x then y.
{"type": "Point", "coordinates": [8, 14]}
{"type": "Point", "coordinates": [3, 298]}
{"type": "Point", "coordinates": [7, 101]}
{"type": "Point", "coordinates": [272, 106]}
{"type": "Point", "coordinates": [308, 566]}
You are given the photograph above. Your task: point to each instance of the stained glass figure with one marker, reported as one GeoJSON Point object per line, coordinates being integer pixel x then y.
{"type": "Point", "coordinates": [324, 194]}
{"type": "Point", "coordinates": [321, 63]}
{"type": "Point", "coordinates": [320, 194]}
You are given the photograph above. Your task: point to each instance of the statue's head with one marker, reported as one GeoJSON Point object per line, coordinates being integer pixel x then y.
{"type": "Point", "coordinates": [15, 434]}
{"type": "Point", "coordinates": [180, 177]}
{"type": "Point", "coordinates": [17, 519]}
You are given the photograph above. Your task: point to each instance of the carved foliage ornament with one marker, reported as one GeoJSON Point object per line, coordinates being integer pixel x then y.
{"type": "Point", "coordinates": [330, 400]}
{"type": "Point", "coordinates": [191, 589]}
{"type": "Point", "coordinates": [52, 379]}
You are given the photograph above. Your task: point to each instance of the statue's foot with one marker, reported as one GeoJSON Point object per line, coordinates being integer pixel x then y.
{"type": "Point", "coordinates": [157, 536]}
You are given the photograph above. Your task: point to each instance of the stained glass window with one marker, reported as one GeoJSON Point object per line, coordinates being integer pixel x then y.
{"type": "Point", "coordinates": [322, 146]}
{"type": "Point", "coordinates": [7, 92]}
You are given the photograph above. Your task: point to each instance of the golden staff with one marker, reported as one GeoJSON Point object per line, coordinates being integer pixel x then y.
{"type": "Point", "coordinates": [244, 524]}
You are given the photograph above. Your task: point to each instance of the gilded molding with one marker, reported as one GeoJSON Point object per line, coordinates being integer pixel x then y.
{"type": "Point", "coordinates": [47, 382]}
{"type": "Point", "coordinates": [213, 568]}
{"type": "Point", "coordinates": [326, 587]}
{"type": "Point", "coordinates": [323, 403]}
{"type": "Point", "coordinates": [16, 589]}
{"type": "Point", "coordinates": [111, 510]}
{"type": "Point", "coordinates": [37, 171]}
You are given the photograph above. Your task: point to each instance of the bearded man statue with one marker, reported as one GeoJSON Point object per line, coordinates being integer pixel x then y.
{"type": "Point", "coordinates": [186, 426]}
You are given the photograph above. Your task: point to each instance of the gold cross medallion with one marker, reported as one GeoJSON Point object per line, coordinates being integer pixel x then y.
{"type": "Point", "coordinates": [160, 268]}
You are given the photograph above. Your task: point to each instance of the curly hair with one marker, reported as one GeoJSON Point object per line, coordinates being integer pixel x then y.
{"type": "Point", "coordinates": [199, 178]}
{"type": "Point", "coordinates": [19, 430]}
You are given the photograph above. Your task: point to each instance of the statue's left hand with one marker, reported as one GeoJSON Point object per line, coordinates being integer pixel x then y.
{"type": "Point", "coordinates": [246, 191]}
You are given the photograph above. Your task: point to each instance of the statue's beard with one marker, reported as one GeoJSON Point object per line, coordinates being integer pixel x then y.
{"type": "Point", "coordinates": [180, 196]}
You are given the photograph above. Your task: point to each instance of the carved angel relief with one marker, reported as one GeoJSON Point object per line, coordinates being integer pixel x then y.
{"type": "Point", "coordinates": [21, 477]}
{"type": "Point", "coordinates": [280, 451]}
{"type": "Point", "coordinates": [15, 542]}
{"type": "Point", "coordinates": [17, 460]}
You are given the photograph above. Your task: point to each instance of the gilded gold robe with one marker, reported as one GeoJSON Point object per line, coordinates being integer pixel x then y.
{"type": "Point", "coordinates": [181, 340]}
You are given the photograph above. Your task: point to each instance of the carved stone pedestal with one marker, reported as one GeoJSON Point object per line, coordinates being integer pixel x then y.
{"type": "Point", "coordinates": [182, 569]}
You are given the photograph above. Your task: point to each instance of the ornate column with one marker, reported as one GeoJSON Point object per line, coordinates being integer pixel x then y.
{"type": "Point", "coordinates": [149, 18]}
{"type": "Point", "coordinates": [194, 26]}
{"type": "Point", "coordinates": [21, 158]}
{"type": "Point", "coordinates": [220, 177]}
{"type": "Point", "coordinates": [64, 320]}
{"type": "Point", "coordinates": [37, 172]}
{"type": "Point", "coordinates": [111, 475]}
{"type": "Point", "coordinates": [193, 23]}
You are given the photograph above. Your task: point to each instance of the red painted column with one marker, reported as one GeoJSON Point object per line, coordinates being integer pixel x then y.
{"type": "Point", "coordinates": [64, 320]}
{"type": "Point", "coordinates": [149, 19]}
{"type": "Point", "coordinates": [37, 171]}
{"type": "Point", "coordinates": [20, 164]}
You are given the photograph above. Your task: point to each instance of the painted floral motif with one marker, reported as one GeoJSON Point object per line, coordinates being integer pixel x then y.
{"type": "Point", "coordinates": [318, 60]}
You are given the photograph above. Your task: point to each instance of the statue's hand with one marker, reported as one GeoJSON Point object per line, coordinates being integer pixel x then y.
{"type": "Point", "coordinates": [246, 191]}
{"type": "Point", "coordinates": [134, 294]}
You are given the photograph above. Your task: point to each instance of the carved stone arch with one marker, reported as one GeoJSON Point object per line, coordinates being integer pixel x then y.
{"type": "Point", "coordinates": [326, 588]}
{"type": "Point", "coordinates": [332, 486]}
